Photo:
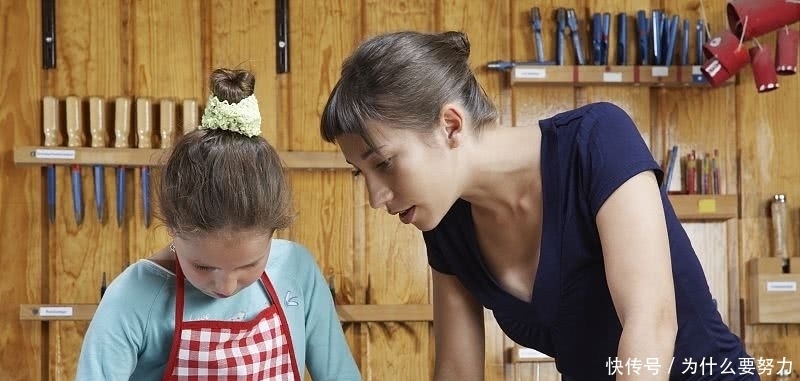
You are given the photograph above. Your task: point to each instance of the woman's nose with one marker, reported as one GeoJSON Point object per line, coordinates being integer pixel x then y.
{"type": "Point", "coordinates": [379, 194]}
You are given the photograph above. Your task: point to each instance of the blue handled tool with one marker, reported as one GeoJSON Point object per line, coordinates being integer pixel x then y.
{"type": "Point", "coordinates": [656, 22]}
{"type": "Point", "coordinates": [642, 29]}
{"type": "Point", "coordinates": [574, 32]}
{"type": "Point", "coordinates": [122, 109]}
{"type": "Point", "coordinates": [51, 139]}
{"type": "Point", "coordinates": [597, 39]}
{"type": "Point", "coordinates": [685, 43]}
{"type": "Point", "coordinates": [536, 27]}
{"type": "Point", "coordinates": [604, 42]}
{"type": "Point", "coordinates": [98, 133]}
{"type": "Point", "coordinates": [699, 41]}
{"type": "Point", "coordinates": [622, 39]}
{"type": "Point", "coordinates": [673, 34]}
{"type": "Point", "coordinates": [75, 138]}
{"type": "Point", "coordinates": [561, 25]}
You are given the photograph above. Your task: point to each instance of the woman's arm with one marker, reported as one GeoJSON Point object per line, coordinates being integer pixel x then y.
{"type": "Point", "coordinates": [458, 331]}
{"type": "Point", "coordinates": [635, 244]}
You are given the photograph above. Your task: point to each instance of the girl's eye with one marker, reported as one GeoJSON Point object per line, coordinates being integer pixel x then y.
{"type": "Point", "coordinates": [203, 268]}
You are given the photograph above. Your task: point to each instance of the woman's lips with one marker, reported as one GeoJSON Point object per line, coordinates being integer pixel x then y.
{"type": "Point", "coordinates": [407, 215]}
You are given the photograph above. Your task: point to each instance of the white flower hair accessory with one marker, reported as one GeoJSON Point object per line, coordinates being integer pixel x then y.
{"type": "Point", "coordinates": [242, 117]}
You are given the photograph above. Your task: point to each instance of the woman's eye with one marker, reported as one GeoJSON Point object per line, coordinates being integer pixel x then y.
{"type": "Point", "coordinates": [203, 268]}
{"type": "Point", "coordinates": [384, 164]}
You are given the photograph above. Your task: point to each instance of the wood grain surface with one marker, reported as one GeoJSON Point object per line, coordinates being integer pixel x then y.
{"type": "Point", "coordinates": [161, 49]}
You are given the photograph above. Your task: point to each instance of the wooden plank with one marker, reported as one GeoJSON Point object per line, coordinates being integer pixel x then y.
{"type": "Point", "coordinates": [385, 313]}
{"type": "Point", "coordinates": [348, 313]}
{"type": "Point", "coordinates": [696, 207]}
{"type": "Point", "coordinates": [322, 33]}
{"type": "Point", "coordinates": [768, 156]}
{"type": "Point", "coordinates": [607, 75]}
{"type": "Point", "coordinates": [166, 62]}
{"type": "Point", "coordinates": [33, 155]}
{"type": "Point", "coordinates": [395, 258]}
{"type": "Point", "coordinates": [243, 36]}
{"type": "Point", "coordinates": [485, 24]}
{"type": "Point", "coordinates": [22, 258]}
{"type": "Point", "coordinates": [91, 62]}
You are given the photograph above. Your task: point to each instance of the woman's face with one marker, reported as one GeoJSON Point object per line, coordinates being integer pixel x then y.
{"type": "Point", "coordinates": [222, 264]}
{"type": "Point", "coordinates": [410, 173]}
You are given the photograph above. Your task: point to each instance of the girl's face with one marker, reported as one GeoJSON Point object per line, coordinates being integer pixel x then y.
{"type": "Point", "coordinates": [222, 264]}
{"type": "Point", "coordinates": [410, 173]}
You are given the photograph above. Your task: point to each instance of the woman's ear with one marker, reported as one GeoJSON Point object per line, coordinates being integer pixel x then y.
{"type": "Point", "coordinates": [453, 122]}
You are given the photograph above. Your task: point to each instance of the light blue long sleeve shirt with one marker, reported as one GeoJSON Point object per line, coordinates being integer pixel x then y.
{"type": "Point", "coordinates": [130, 335]}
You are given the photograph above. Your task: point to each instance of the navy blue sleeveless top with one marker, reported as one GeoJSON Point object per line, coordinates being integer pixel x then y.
{"type": "Point", "coordinates": [586, 154]}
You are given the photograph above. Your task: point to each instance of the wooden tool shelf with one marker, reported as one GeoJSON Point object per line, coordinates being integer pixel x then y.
{"type": "Point", "coordinates": [577, 75]}
{"type": "Point", "coordinates": [688, 207]}
{"type": "Point", "coordinates": [705, 207]}
{"type": "Point", "coordinates": [39, 155]}
{"type": "Point", "coordinates": [348, 313]}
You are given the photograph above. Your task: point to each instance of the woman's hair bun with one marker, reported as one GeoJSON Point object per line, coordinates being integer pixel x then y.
{"type": "Point", "coordinates": [458, 41]}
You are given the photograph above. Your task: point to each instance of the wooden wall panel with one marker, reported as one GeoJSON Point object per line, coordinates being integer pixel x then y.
{"type": "Point", "coordinates": [528, 103]}
{"type": "Point", "coordinates": [243, 37]}
{"type": "Point", "coordinates": [396, 263]}
{"type": "Point", "coordinates": [322, 35]}
{"type": "Point", "coordinates": [166, 49]}
{"type": "Point", "coordinates": [167, 61]}
{"type": "Point", "coordinates": [767, 137]}
{"type": "Point", "coordinates": [89, 63]}
{"type": "Point", "coordinates": [25, 243]}
{"type": "Point", "coordinates": [487, 26]}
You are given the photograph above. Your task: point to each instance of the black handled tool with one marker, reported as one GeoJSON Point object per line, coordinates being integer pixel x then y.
{"type": "Point", "coordinates": [604, 43]}
{"type": "Point", "coordinates": [622, 39]}
{"type": "Point", "coordinates": [642, 29]}
{"type": "Point", "coordinates": [597, 39]}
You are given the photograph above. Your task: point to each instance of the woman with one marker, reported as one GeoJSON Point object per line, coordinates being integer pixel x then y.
{"type": "Point", "coordinates": [224, 300]}
{"type": "Point", "coordinates": [560, 229]}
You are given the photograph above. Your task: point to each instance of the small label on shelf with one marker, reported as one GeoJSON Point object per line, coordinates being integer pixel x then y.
{"type": "Point", "coordinates": [660, 71]}
{"type": "Point", "coordinates": [707, 205]}
{"type": "Point", "coordinates": [696, 70]}
{"type": "Point", "coordinates": [55, 311]}
{"type": "Point", "coordinates": [530, 72]}
{"type": "Point", "coordinates": [612, 77]}
{"type": "Point", "coordinates": [530, 354]}
{"type": "Point", "coordinates": [60, 154]}
{"type": "Point", "coordinates": [781, 286]}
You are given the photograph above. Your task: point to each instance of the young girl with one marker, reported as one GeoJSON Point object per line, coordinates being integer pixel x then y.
{"type": "Point", "coordinates": [559, 229]}
{"type": "Point", "coordinates": [224, 300]}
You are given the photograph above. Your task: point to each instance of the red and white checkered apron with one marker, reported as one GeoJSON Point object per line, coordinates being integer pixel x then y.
{"type": "Point", "coordinates": [256, 350]}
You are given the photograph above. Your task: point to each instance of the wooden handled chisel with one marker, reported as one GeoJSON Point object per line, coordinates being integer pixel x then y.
{"type": "Point", "coordinates": [122, 126]}
{"type": "Point", "coordinates": [97, 130]}
{"type": "Point", "coordinates": [52, 138]}
{"type": "Point", "coordinates": [190, 115]}
{"type": "Point", "coordinates": [75, 138]}
{"type": "Point", "coordinates": [144, 134]}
